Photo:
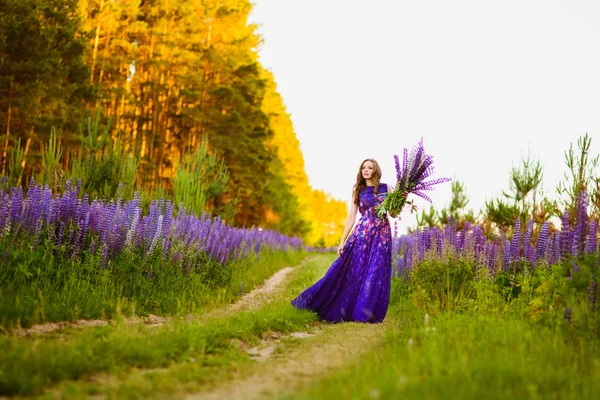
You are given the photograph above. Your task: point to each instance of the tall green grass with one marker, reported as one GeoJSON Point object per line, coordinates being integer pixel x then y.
{"type": "Point", "coordinates": [459, 333]}
{"type": "Point", "coordinates": [469, 355]}
{"type": "Point", "coordinates": [41, 287]}
{"type": "Point", "coordinates": [200, 350]}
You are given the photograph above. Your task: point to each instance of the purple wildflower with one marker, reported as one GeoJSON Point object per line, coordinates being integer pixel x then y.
{"type": "Point", "coordinates": [590, 246]}
{"type": "Point", "coordinates": [580, 230]}
{"type": "Point", "coordinates": [515, 245]}
{"type": "Point", "coordinates": [542, 243]}
{"type": "Point", "coordinates": [507, 253]}
{"type": "Point", "coordinates": [527, 240]}
{"type": "Point", "coordinates": [565, 237]}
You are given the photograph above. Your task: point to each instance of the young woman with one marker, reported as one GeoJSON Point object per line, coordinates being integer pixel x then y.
{"type": "Point", "coordinates": [357, 285]}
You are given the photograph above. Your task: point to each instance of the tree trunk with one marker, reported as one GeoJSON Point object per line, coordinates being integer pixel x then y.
{"type": "Point", "coordinates": [8, 121]}
{"type": "Point", "coordinates": [96, 40]}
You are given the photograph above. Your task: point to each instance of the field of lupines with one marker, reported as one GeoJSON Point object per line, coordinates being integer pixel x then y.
{"type": "Point", "coordinates": [48, 239]}
{"type": "Point", "coordinates": [78, 226]}
{"type": "Point", "coordinates": [501, 253]}
{"type": "Point", "coordinates": [571, 250]}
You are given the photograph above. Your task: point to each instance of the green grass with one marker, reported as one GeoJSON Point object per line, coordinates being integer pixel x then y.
{"type": "Point", "coordinates": [36, 287]}
{"type": "Point", "coordinates": [197, 352]}
{"type": "Point", "coordinates": [469, 355]}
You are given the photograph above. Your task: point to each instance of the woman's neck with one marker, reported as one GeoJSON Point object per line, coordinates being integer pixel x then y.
{"type": "Point", "coordinates": [369, 182]}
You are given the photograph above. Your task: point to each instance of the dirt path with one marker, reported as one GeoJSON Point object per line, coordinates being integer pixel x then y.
{"type": "Point", "coordinates": [300, 361]}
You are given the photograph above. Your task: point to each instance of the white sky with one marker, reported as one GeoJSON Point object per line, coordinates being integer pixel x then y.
{"type": "Point", "coordinates": [481, 81]}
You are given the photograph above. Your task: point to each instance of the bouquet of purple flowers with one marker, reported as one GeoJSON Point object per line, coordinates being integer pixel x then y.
{"type": "Point", "coordinates": [412, 178]}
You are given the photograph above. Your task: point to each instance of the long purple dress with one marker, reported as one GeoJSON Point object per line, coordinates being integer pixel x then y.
{"type": "Point", "coordinates": [357, 285]}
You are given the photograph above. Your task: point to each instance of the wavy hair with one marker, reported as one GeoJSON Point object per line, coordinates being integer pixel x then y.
{"type": "Point", "coordinates": [361, 182]}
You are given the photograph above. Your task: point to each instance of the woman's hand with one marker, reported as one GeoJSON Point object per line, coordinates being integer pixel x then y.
{"type": "Point", "coordinates": [340, 249]}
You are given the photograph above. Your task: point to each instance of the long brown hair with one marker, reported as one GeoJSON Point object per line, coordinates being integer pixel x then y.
{"type": "Point", "coordinates": [361, 182]}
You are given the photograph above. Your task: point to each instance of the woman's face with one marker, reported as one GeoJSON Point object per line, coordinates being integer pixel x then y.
{"type": "Point", "coordinates": [368, 168]}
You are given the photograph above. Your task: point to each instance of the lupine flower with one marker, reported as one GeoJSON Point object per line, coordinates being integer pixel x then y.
{"type": "Point", "coordinates": [542, 243]}
{"type": "Point", "coordinates": [491, 254]}
{"type": "Point", "coordinates": [590, 245]}
{"type": "Point", "coordinates": [515, 245]}
{"type": "Point", "coordinates": [507, 253]}
{"type": "Point", "coordinates": [580, 230]}
{"type": "Point", "coordinates": [565, 236]}
{"type": "Point", "coordinates": [527, 241]}
{"type": "Point", "coordinates": [411, 179]}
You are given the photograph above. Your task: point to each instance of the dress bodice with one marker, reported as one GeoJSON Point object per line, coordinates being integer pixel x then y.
{"type": "Point", "coordinates": [368, 201]}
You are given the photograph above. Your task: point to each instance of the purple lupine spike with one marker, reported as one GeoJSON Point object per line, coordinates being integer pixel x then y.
{"type": "Point", "coordinates": [423, 196]}
{"type": "Point", "coordinates": [397, 165]}
{"type": "Point", "coordinates": [580, 229]}
{"type": "Point", "coordinates": [565, 237]}
{"type": "Point", "coordinates": [417, 158]}
{"type": "Point", "coordinates": [590, 246]}
{"type": "Point", "coordinates": [404, 161]}
{"type": "Point", "coordinates": [542, 243]}
{"type": "Point", "coordinates": [438, 242]}
{"type": "Point", "coordinates": [554, 257]}
{"type": "Point", "coordinates": [480, 241]}
{"type": "Point", "coordinates": [493, 254]}
{"type": "Point", "coordinates": [423, 242]}
{"type": "Point", "coordinates": [92, 248]}
{"type": "Point", "coordinates": [515, 245]}
{"type": "Point", "coordinates": [527, 241]}
{"type": "Point", "coordinates": [104, 256]}
{"type": "Point", "coordinates": [37, 232]}
{"type": "Point", "coordinates": [61, 230]}
{"type": "Point", "coordinates": [78, 239]}
{"type": "Point", "coordinates": [16, 203]}
{"type": "Point", "coordinates": [507, 253]}
{"type": "Point", "coordinates": [157, 235]}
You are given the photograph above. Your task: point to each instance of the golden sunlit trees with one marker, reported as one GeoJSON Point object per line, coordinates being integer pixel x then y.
{"type": "Point", "coordinates": [164, 74]}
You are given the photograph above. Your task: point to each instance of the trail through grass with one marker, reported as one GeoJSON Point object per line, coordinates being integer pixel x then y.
{"type": "Point", "coordinates": [193, 351]}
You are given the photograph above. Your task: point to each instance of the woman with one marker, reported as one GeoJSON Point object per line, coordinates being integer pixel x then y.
{"type": "Point", "coordinates": [357, 285]}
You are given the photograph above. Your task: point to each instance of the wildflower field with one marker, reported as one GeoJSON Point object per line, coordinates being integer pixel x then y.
{"type": "Point", "coordinates": [156, 216]}
{"type": "Point", "coordinates": [127, 294]}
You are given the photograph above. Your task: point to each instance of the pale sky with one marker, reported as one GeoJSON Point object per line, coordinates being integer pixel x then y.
{"type": "Point", "coordinates": [481, 81]}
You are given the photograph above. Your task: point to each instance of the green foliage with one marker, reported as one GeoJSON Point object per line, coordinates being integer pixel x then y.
{"type": "Point", "coordinates": [455, 211]}
{"type": "Point", "coordinates": [200, 178]}
{"type": "Point", "coordinates": [167, 74]}
{"type": "Point", "coordinates": [15, 168]}
{"type": "Point", "coordinates": [43, 79]}
{"type": "Point", "coordinates": [438, 285]}
{"type": "Point", "coordinates": [467, 356]}
{"type": "Point", "coordinates": [429, 219]}
{"type": "Point", "coordinates": [502, 213]}
{"type": "Point", "coordinates": [208, 344]}
{"type": "Point", "coordinates": [581, 176]}
{"type": "Point", "coordinates": [52, 162]}
{"type": "Point", "coordinates": [521, 202]}
{"type": "Point", "coordinates": [104, 165]}
{"type": "Point", "coordinates": [487, 346]}
{"type": "Point", "coordinates": [524, 183]}
{"type": "Point", "coordinates": [43, 284]}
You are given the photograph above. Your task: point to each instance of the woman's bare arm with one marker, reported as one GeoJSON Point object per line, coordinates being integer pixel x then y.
{"type": "Point", "coordinates": [348, 227]}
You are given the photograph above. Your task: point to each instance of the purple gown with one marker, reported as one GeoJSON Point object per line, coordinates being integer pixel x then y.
{"type": "Point", "coordinates": [357, 285]}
